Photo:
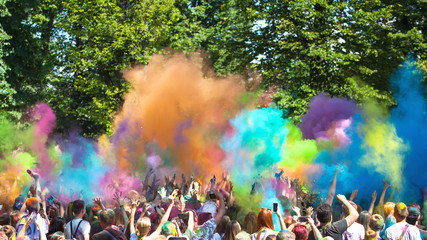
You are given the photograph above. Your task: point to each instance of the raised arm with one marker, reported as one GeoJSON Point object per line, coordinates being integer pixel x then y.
{"type": "Point", "coordinates": [332, 187]}
{"type": "Point", "coordinates": [354, 215]}
{"type": "Point", "coordinates": [120, 201]}
{"type": "Point", "coordinates": [317, 234]}
{"type": "Point", "coordinates": [353, 195]}
{"type": "Point", "coordinates": [135, 204]}
{"type": "Point", "coordinates": [386, 186]}
{"type": "Point", "coordinates": [190, 224]}
{"type": "Point", "coordinates": [373, 199]}
{"type": "Point", "coordinates": [165, 216]}
{"type": "Point", "coordinates": [282, 223]}
{"type": "Point", "coordinates": [98, 201]}
{"type": "Point", "coordinates": [221, 208]}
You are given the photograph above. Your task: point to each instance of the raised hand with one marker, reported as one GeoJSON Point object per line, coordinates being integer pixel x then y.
{"type": "Point", "coordinates": [309, 211]}
{"type": "Point", "coordinates": [162, 192]}
{"type": "Point", "coordinates": [341, 198]}
{"type": "Point", "coordinates": [353, 195]}
{"type": "Point", "coordinates": [297, 210]}
{"type": "Point", "coordinates": [118, 198]}
{"type": "Point", "coordinates": [97, 201]}
{"type": "Point", "coordinates": [135, 203]}
{"type": "Point", "coordinates": [374, 196]}
{"type": "Point", "coordinates": [386, 183]}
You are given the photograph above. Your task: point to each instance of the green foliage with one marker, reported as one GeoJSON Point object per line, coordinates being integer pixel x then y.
{"type": "Point", "coordinates": [317, 46]}
{"type": "Point", "coordinates": [100, 39]}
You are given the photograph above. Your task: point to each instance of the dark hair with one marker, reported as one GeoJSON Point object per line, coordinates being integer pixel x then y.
{"type": "Point", "coordinates": [301, 232]}
{"type": "Point", "coordinates": [56, 225]}
{"type": "Point", "coordinates": [249, 223]}
{"type": "Point", "coordinates": [324, 213]}
{"type": "Point", "coordinates": [222, 225]}
{"type": "Point", "coordinates": [376, 222]}
{"type": "Point", "coordinates": [78, 206]}
{"type": "Point", "coordinates": [346, 211]}
{"type": "Point", "coordinates": [107, 216]}
{"type": "Point", "coordinates": [413, 215]}
{"type": "Point", "coordinates": [232, 229]}
{"type": "Point", "coordinates": [364, 219]}
{"type": "Point", "coordinates": [4, 219]}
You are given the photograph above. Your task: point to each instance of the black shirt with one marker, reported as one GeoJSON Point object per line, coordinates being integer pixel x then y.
{"type": "Point", "coordinates": [334, 230]}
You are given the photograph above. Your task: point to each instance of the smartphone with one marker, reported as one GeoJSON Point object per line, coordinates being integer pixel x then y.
{"type": "Point", "coordinates": [29, 172]}
{"type": "Point", "coordinates": [302, 219]}
{"type": "Point", "coordinates": [51, 199]}
{"type": "Point", "coordinates": [212, 195]}
{"type": "Point", "coordinates": [275, 206]}
{"type": "Point", "coordinates": [177, 238]}
{"type": "Point", "coordinates": [183, 216]}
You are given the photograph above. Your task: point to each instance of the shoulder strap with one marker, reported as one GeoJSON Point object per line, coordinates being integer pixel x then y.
{"type": "Point", "coordinates": [405, 229]}
{"type": "Point", "coordinates": [77, 229]}
{"type": "Point", "coordinates": [111, 235]}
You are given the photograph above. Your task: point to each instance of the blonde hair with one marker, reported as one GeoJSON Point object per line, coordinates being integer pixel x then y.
{"type": "Point", "coordinates": [371, 235]}
{"type": "Point", "coordinates": [143, 226]}
{"type": "Point", "coordinates": [388, 208]}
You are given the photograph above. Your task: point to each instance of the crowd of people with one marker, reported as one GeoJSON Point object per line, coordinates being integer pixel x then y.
{"type": "Point", "coordinates": [191, 209]}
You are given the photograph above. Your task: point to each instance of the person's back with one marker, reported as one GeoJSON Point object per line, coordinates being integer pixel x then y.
{"type": "Point", "coordinates": [33, 230]}
{"type": "Point", "coordinates": [78, 228]}
{"type": "Point", "coordinates": [110, 232]}
{"type": "Point", "coordinates": [402, 230]}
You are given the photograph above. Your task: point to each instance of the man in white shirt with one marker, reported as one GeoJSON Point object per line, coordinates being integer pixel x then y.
{"type": "Point", "coordinates": [78, 228]}
{"type": "Point", "coordinates": [355, 231]}
{"type": "Point", "coordinates": [402, 230]}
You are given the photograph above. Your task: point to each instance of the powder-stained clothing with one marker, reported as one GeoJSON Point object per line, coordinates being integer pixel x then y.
{"type": "Point", "coordinates": [395, 231]}
{"type": "Point", "coordinates": [334, 230]}
{"type": "Point", "coordinates": [263, 234]}
{"type": "Point", "coordinates": [33, 232]}
{"type": "Point", "coordinates": [206, 231]}
{"type": "Point", "coordinates": [355, 232]}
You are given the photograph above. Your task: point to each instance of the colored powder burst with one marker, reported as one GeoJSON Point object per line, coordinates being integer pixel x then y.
{"type": "Point", "coordinates": [327, 119]}
{"type": "Point", "coordinates": [297, 154]}
{"type": "Point", "coordinates": [180, 108]}
{"type": "Point", "coordinates": [269, 198]}
{"type": "Point", "coordinates": [256, 143]}
{"type": "Point", "coordinates": [410, 120]}
{"type": "Point", "coordinates": [384, 150]}
{"type": "Point", "coordinates": [46, 121]}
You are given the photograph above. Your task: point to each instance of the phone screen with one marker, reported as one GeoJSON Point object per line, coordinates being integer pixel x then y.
{"type": "Point", "coordinates": [51, 199]}
{"type": "Point", "coordinates": [275, 206]}
{"type": "Point", "coordinates": [302, 219]}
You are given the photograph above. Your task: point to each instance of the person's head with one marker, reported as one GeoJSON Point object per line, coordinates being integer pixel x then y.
{"type": "Point", "coordinates": [57, 236]}
{"type": "Point", "coordinates": [160, 237]}
{"type": "Point", "coordinates": [32, 204]}
{"type": "Point", "coordinates": [143, 226]}
{"type": "Point", "coordinates": [16, 216]}
{"type": "Point", "coordinates": [249, 223]}
{"type": "Point", "coordinates": [57, 225]}
{"type": "Point", "coordinates": [264, 220]}
{"type": "Point", "coordinates": [169, 229]}
{"type": "Point", "coordinates": [4, 219]}
{"type": "Point", "coordinates": [243, 236]}
{"type": "Point", "coordinates": [370, 235]}
{"type": "Point", "coordinates": [301, 232]}
{"type": "Point", "coordinates": [345, 210]}
{"type": "Point", "coordinates": [400, 211]}
{"type": "Point", "coordinates": [285, 235]}
{"type": "Point", "coordinates": [324, 213]}
{"type": "Point", "coordinates": [231, 231]}
{"type": "Point", "coordinates": [376, 223]}
{"type": "Point", "coordinates": [220, 229]}
{"type": "Point", "coordinates": [271, 237]}
{"type": "Point", "coordinates": [78, 208]}
{"type": "Point", "coordinates": [107, 218]}
{"type": "Point", "coordinates": [9, 231]}
{"type": "Point", "coordinates": [388, 208]}
{"type": "Point", "coordinates": [413, 216]}
{"type": "Point", "coordinates": [52, 211]}
{"type": "Point", "coordinates": [364, 218]}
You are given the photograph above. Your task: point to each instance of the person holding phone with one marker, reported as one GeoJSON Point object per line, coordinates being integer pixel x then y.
{"type": "Point", "coordinates": [264, 225]}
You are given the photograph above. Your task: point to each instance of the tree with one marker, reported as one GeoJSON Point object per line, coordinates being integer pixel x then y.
{"type": "Point", "coordinates": [99, 40]}
{"type": "Point", "coordinates": [314, 46]}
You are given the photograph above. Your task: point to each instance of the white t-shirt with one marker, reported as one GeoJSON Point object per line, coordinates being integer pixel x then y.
{"type": "Point", "coordinates": [355, 232]}
{"type": "Point", "coordinates": [84, 229]}
{"type": "Point", "coordinates": [216, 236]}
{"type": "Point", "coordinates": [394, 232]}
{"type": "Point", "coordinates": [264, 234]}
